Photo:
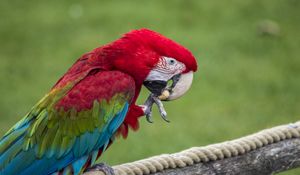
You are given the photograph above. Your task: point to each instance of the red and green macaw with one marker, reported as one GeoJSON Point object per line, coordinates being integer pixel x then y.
{"type": "Point", "coordinates": [70, 127]}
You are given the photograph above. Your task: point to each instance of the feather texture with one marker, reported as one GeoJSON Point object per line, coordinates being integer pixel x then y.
{"type": "Point", "coordinates": [57, 136]}
{"type": "Point", "coordinates": [68, 129]}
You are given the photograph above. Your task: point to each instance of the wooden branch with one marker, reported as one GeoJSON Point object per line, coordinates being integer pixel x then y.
{"type": "Point", "coordinates": [270, 159]}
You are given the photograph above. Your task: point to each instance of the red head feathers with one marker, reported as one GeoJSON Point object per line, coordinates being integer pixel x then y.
{"type": "Point", "coordinates": [138, 51]}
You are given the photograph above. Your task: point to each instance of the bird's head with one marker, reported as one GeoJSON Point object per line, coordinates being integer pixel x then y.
{"type": "Point", "coordinates": [155, 61]}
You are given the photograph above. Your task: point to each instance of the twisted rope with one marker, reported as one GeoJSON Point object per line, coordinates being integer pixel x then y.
{"type": "Point", "coordinates": [208, 153]}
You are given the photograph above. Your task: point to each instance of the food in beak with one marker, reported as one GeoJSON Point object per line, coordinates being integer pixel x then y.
{"type": "Point", "coordinates": [164, 95]}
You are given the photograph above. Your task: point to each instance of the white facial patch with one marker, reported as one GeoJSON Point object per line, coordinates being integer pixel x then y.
{"type": "Point", "coordinates": [165, 69]}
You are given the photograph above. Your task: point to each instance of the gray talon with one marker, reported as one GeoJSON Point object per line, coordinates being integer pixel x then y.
{"type": "Point", "coordinates": [164, 116]}
{"type": "Point", "coordinates": [149, 103]}
{"type": "Point", "coordinates": [149, 118]}
{"type": "Point", "coordinates": [161, 109]}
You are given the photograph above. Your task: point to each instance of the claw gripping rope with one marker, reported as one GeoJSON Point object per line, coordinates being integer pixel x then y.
{"type": "Point", "coordinates": [207, 153]}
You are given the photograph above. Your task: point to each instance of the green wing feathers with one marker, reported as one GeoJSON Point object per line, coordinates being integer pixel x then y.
{"type": "Point", "coordinates": [53, 131]}
{"type": "Point", "coordinates": [50, 131]}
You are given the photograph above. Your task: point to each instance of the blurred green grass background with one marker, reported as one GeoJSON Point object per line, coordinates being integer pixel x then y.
{"type": "Point", "coordinates": [246, 82]}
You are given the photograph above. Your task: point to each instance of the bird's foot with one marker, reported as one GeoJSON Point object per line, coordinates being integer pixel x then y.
{"type": "Point", "coordinates": [147, 108]}
{"type": "Point", "coordinates": [101, 167]}
{"type": "Point", "coordinates": [161, 108]}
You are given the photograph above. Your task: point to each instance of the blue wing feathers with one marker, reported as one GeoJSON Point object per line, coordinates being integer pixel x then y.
{"type": "Point", "coordinates": [117, 121]}
{"type": "Point", "coordinates": [87, 144]}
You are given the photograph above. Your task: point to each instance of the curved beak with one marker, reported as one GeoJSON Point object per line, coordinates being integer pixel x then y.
{"type": "Point", "coordinates": [180, 86]}
{"type": "Point", "coordinates": [161, 91]}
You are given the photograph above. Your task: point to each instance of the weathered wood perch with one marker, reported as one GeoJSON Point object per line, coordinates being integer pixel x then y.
{"type": "Point", "coordinates": [273, 158]}
{"type": "Point", "coordinates": [267, 152]}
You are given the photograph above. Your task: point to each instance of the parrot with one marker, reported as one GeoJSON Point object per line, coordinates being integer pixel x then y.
{"type": "Point", "coordinates": [67, 131]}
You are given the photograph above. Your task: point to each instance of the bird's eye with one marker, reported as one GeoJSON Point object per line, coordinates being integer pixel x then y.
{"type": "Point", "coordinates": [172, 62]}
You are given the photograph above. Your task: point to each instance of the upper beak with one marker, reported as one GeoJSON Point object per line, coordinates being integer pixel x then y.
{"type": "Point", "coordinates": [180, 85]}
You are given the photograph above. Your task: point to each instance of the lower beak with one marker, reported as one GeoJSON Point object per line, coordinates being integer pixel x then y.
{"type": "Point", "coordinates": [181, 84]}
